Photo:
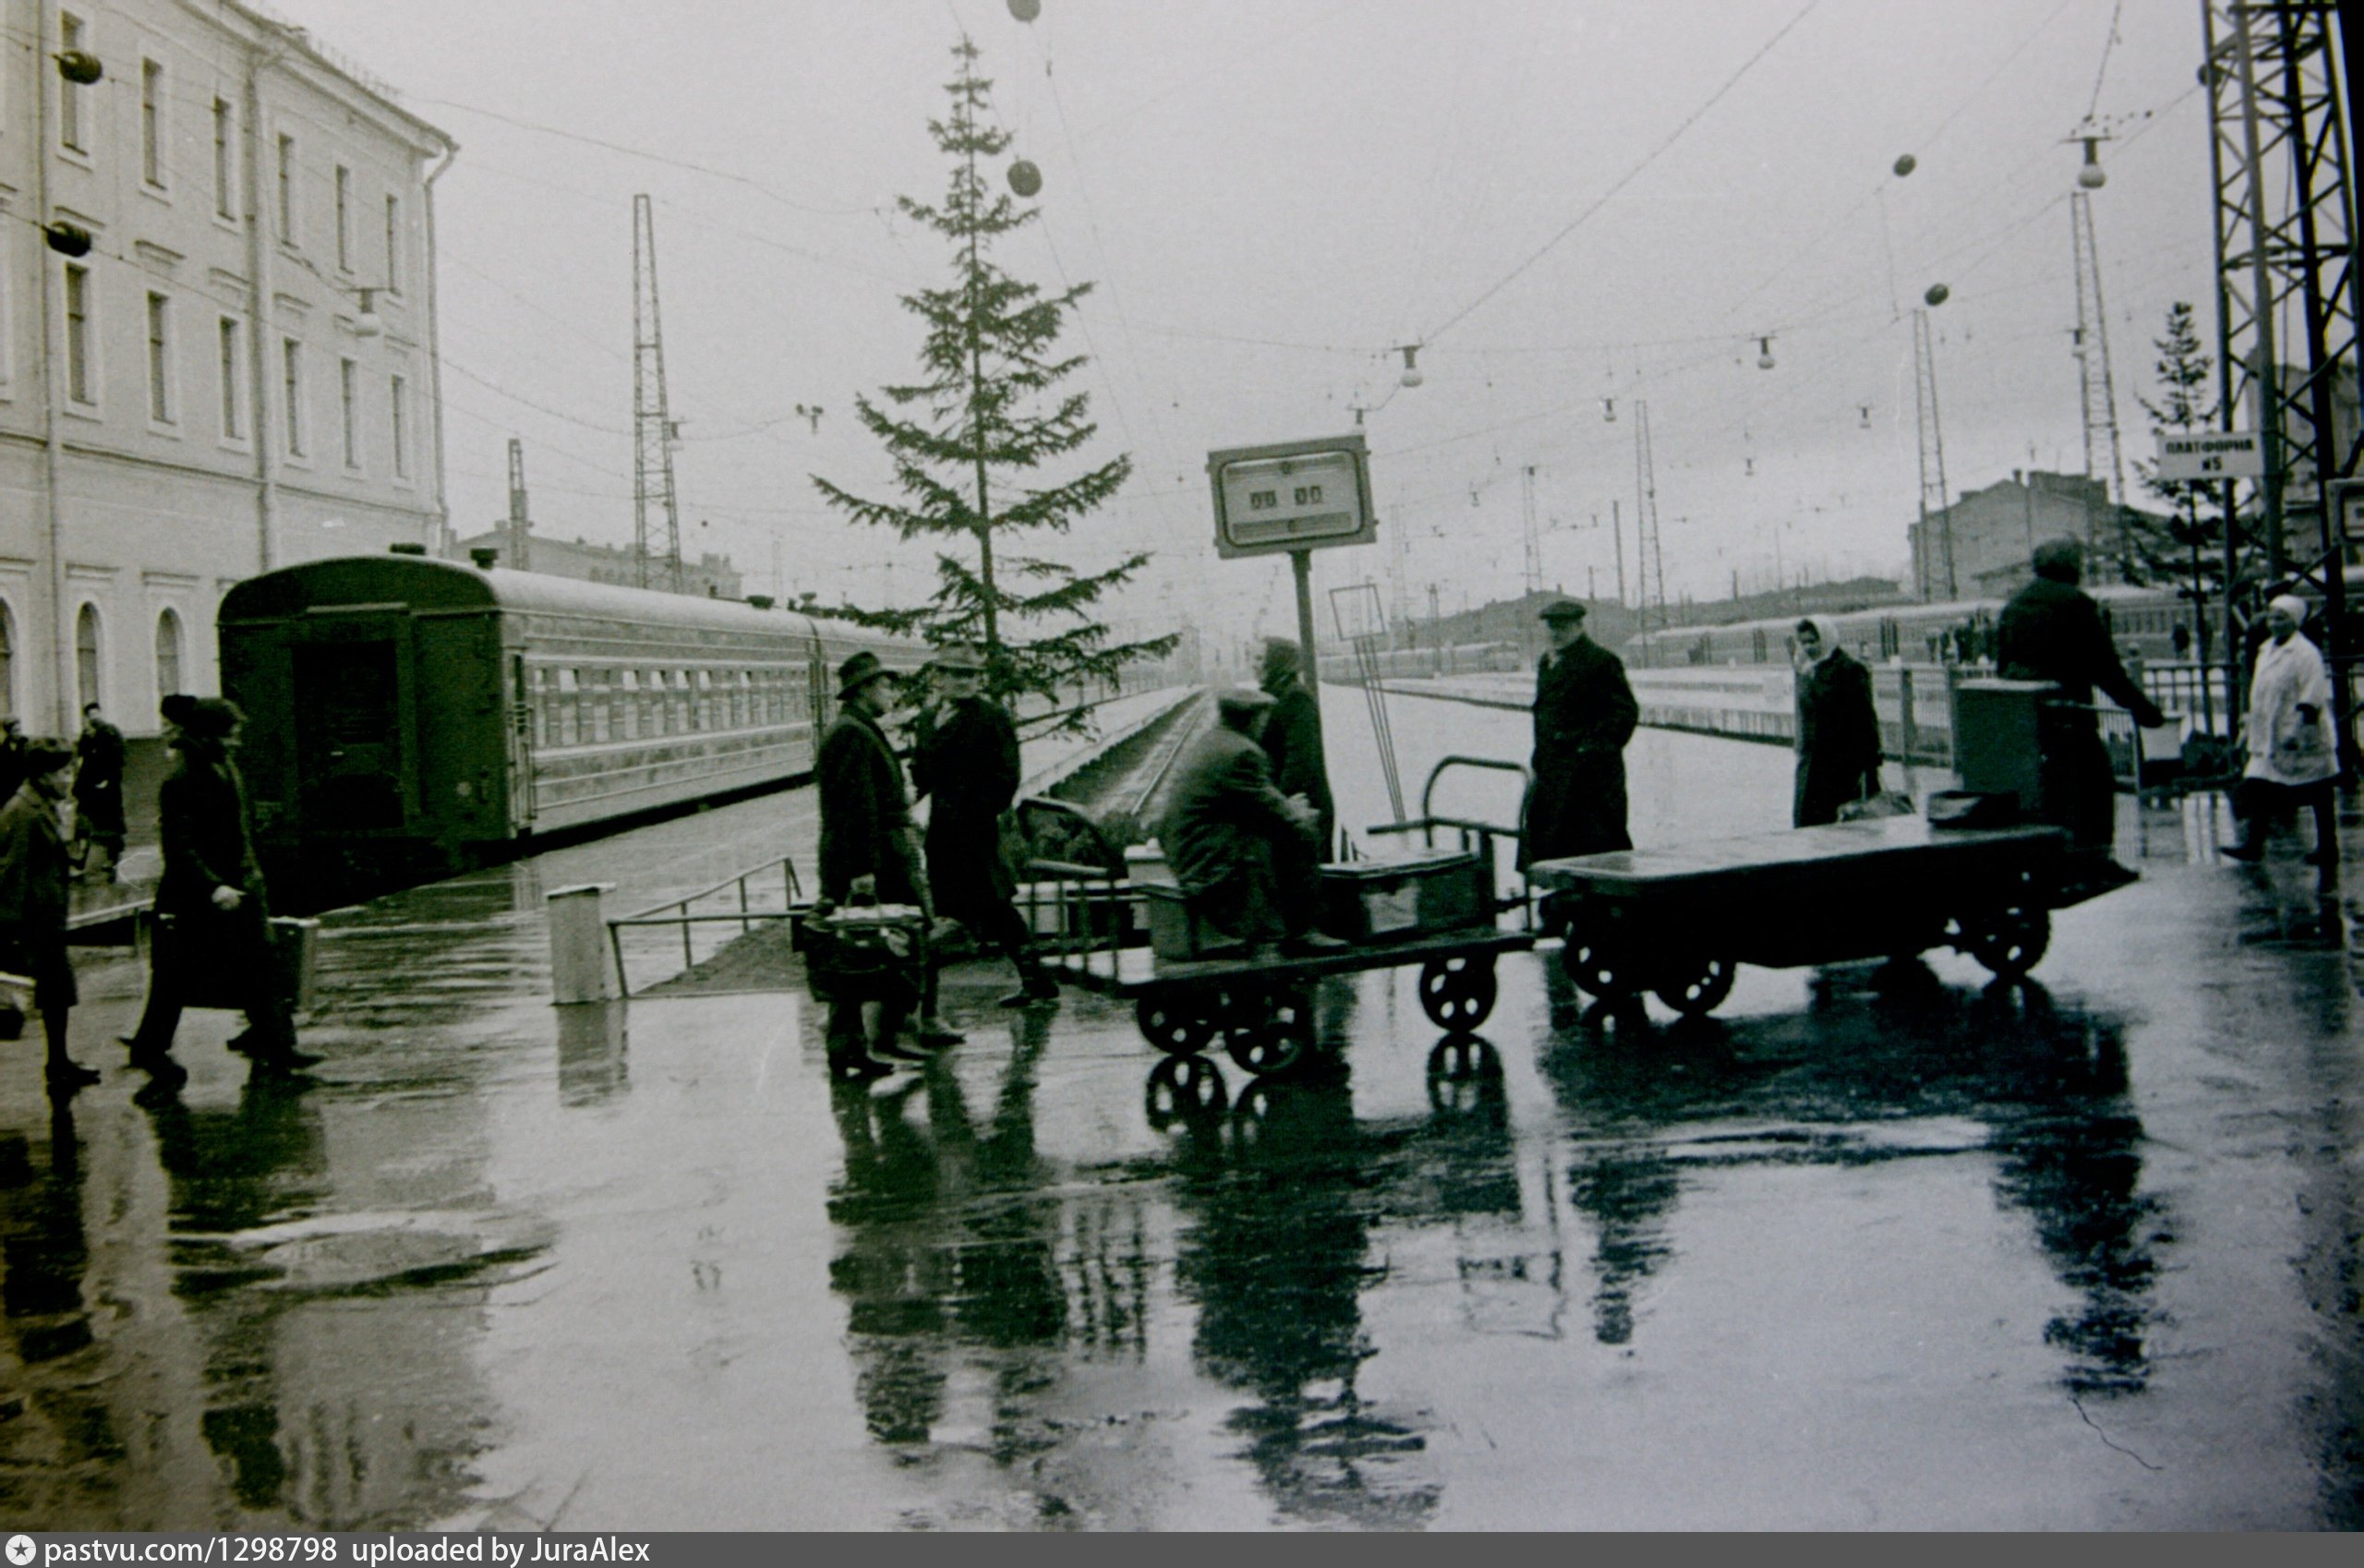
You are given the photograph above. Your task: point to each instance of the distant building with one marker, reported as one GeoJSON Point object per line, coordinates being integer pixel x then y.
{"type": "Point", "coordinates": [710, 576]}
{"type": "Point", "coordinates": [1991, 533]}
{"type": "Point", "coordinates": [237, 370]}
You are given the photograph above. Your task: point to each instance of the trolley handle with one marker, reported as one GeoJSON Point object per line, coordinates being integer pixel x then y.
{"type": "Point", "coordinates": [1427, 790]}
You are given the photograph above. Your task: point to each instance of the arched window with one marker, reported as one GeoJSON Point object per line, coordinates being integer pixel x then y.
{"type": "Point", "coordinates": [168, 654]}
{"type": "Point", "coordinates": [86, 657]}
{"type": "Point", "coordinates": [7, 660]}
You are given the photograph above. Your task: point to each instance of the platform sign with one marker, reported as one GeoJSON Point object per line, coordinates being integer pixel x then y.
{"type": "Point", "coordinates": [2213, 454]}
{"type": "Point", "coordinates": [1294, 496]}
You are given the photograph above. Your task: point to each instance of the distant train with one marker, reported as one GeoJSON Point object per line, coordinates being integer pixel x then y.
{"type": "Point", "coordinates": [1957, 632]}
{"type": "Point", "coordinates": [409, 717]}
{"type": "Point", "coordinates": [1461, 659]}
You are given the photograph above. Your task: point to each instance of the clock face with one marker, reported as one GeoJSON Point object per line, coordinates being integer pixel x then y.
{"type": "Point", "coordinates": [1289, 499]}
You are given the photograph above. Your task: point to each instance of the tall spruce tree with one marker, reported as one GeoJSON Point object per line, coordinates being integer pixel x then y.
{"type": "Point", "coordinates": [964, 442]}
{"type": "Point", "coordinates": [2184, 550]}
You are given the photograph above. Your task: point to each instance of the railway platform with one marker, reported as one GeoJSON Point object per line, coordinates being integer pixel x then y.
{"type": "Point", "coordinates": [2067, 1255]}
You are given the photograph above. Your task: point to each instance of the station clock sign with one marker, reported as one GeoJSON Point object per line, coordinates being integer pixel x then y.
{"type": "Point", "coordinates": [1292, 496]}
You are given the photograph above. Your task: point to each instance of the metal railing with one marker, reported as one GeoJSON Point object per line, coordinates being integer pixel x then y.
{"type": "Point", "coordinates": [746, 898]}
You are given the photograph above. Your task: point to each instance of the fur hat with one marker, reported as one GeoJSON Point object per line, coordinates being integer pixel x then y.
{"type": "Point", "coordinates": [212, 719]}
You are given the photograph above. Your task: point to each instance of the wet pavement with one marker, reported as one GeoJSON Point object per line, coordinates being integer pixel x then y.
{"type": "Point", "coordinates": [2079, 1254]}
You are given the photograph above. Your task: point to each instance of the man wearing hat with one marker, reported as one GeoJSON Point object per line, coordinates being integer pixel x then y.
{"type": "Point", "coordinates": [1585, 713]}
{"type": "Point", "coordinates": [2053, 631]}
{"type": "Point", "coordinates": [966, 763]}
{"type": "Point", "coordinates": [1292, 736]}
{"type": "Point", "coordinates": [868, 850]}
{"type": "Point", "coordinates": [1244, 852]}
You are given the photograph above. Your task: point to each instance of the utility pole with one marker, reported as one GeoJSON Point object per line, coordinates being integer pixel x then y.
{"type": "Point", "coordinates": [2097, 393]}
{"type": "Point", "coordinates": [520, 552]}
{"type": "Point", "coordinates": [2285, 252]}
{"type": "Point", "coordinates": [653, 430]}
{"type": "Point", "coordinates": [1649, 562]}
{"type": "Point", "coordinates": [1617, 536]}
{"type": "Point", "coordinates": [1939, 573]}
{"type": "Point", "coordinates": [1533, 540]}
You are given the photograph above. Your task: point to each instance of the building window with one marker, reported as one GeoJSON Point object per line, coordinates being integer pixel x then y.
{"type": "Point", "coordinates": [232, 428]}
{"type": "Point", "coordinates": [69, 94]}
{"type": "Point", "coordinates": [160, 358]}
{"type": "Point", "coordinates": [152, 122]}
{"type": "Point", "coordinates": [397, 393]}
{"type": "Point", "coordinates": [7, 660]}
{"type": "Point", "coordinates": [223, 141]}
{"type": "Point", "coordinates": [343, 218]}
{"type": "Point", "coordinates": [291, 376]}
{"type": "Point", "coordinates": [168, 654]}
{"type": "Point", "coordinates": [348, 392]}
{"type": "Point", "coordinates": [81, 384]}
{"type": "Point", "coordinates": [287, 189]}
{"type": "Point", "coordinates": [86, 658]}
{"type": "Point", "coordinates": [393, 244]}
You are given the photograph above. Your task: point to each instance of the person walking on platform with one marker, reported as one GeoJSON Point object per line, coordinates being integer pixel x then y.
{"type": "Point", "coordinates": [2292, 760]}
{"type": "Point", "coordinates": [1243, 852]}
{"type": "Point", "coordinates": [2052, 630]}
{"type": "Point", "coordinates": [869, 853]}
{"type": "Point", "coordinates": [34, 881]}
{"type": "Point", "coordinates": [213, 895]}
{"type": "Point", "coordinates": [1585, 713]}
{"type": "Point", "coordinates": [966, 763]}
{"type": "Point", "coordinates": [1292, 737]}
{"type": "Point", "coordinates": [98, 789]}
{"type": "Point", "coordinates": [1838, 732]}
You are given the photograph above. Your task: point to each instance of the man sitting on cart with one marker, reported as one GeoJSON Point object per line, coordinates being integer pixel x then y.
{"type": "Point", "coordinates": [1246, 854]}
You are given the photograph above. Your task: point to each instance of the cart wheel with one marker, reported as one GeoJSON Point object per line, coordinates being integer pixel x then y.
{"type": "Point", "coordinates": [1597, 967]}
{"type": "Point", "coordinates": [1696, 986]}
{"type": "Point", "coordinates": [1184, 1089]}
{"type": "Point", "coordinates": [2009, 941]}
{"type": "Point", "coordinates": [1459, 1057]}
{"type": "Point", "coordinates": [1457, 992]}
{"type": "Point", "coordinates": [1268, 1034]}
{"type": "Point", "coordinates": [1175, 1025]}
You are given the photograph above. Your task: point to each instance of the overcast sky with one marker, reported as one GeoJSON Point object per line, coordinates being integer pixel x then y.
{"type": "Point", "coordinates": [1563, 202]}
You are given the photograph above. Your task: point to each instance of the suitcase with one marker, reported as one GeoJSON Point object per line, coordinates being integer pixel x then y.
{"type": "Point", "coordinates": [206, 961]}
{"type": "Point", "coordinates": [1410, 894]}
{"type": "Point", "coordinates": [862, 950]}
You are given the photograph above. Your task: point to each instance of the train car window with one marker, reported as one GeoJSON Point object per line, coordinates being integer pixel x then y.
{"type": "Point", "coordinates": [602, 707]}
{"type": "Point", "coordinates": [628, 703]}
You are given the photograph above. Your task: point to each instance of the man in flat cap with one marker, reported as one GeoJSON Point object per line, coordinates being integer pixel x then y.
{"type": "Point", "coordinates": [869, 853]}
{"type": "Point", "coordinates": [967, 762]}
{"type": "Point", "coordinates": [1244, 852]}
{"type": "Point", "coordinates": [1292, 737]}
{"type": "Point", "coordinates": [1584, 714]}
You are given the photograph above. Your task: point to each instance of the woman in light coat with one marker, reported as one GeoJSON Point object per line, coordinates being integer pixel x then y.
{"type": "Point", "coordinates": [2292, 760]}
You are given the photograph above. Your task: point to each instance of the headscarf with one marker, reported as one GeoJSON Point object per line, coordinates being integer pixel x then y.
{"type": "Point", "coordinates": [1828, 630]}
{"type": "Point", "coordinates": [2290, 605]}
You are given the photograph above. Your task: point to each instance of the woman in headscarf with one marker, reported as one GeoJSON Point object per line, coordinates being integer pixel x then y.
{"type": "Point", "coordinates": [34, 874]}
{"type": "Point", "coordinates": [2292, 758]}
{"type": "Point", "coordinates": [1838, 733]}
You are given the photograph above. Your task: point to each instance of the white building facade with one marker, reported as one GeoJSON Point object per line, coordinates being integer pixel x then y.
{"type": "Point", "coordinates": [239, 370]}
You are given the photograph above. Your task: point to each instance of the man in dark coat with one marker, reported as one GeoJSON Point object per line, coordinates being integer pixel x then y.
{"type": "Point", "coordinates": [1838, 731]}
{"type": "Point", "coordinates": [869, 853]}
{"type": "Point", "coordinates": [212, 888]}
{"type": "Point", "coordinates": [966, 762]}
{"type": "Point", "coordinates": [1585, 713]}
{"type": "Point", "coordinates": [1292, 737]}
{"type": "Point", "coordinates": [34, 895]}
{"type": "Point", "coordinates": [98, 786]}
{"type": "Point", "coordinates": [2052, 630]}
{"type": "Point", "coordinates": [1243, 852]}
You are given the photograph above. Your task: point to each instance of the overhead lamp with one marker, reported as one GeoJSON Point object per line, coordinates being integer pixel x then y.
{"type": "Point", "coordinates": [1025, 178]}
{"type": "Point", "coordinates": [1609, 411]}
{"type": "Point", "coordinates": [79, 68]}
{"type": "Point", "coordinates": [66, 239]}
{"type": "Point", "coordinates": [367, 322]}
{"type": "Point", "coordinates": [1863, 416]}
{"type": "Point", "coordinates": [1938, 294]}
{"type": "Point", "coordinates": [2091, 177]}
{"type": "Point", "coordinates": [1411, 377]}
{"type": "Point", "coordinates": [1764, 353]}
{"type": "Point", "coordinates": [1906, 164]}
{"type": "Point", "coordinates": [1026, 10]}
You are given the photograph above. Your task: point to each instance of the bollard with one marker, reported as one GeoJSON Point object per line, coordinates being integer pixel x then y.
{"type": "Point", "coordinates": [583, 966]}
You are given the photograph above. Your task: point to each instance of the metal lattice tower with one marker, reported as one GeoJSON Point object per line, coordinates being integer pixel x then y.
{"type": "Point", "coordinates": [520, 531]}
{"type": "Point", "coordinates": [1650, 565]}
{"type": "Point", "coordinates": [1532, 540]}
{"type": "Point", "coordinates": [2286, 310]}
{"type": "Point", "coordinates": [652, 423]}
{"type": "Point", "coordinates": [2097, 391]}
{"type": "Point", "coordinates": [1936, 563]}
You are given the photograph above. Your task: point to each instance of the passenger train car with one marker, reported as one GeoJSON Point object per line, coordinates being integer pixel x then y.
{"type": "Point", "coordinates": [1918, 634]}
{"type": "Point", "coordinates": [409, 717]}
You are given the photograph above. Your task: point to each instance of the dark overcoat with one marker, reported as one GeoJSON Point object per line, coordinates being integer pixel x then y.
{"type": "Point", "coordinates": [1585, 713]}
{"type": "Point", "coordinates": [1222, 813]}
{"type": "Point", "coordinates": [966, 764]}
{"type": "Point", "coordinates": [97, 780]}
{"type": "Point", "coordinates": [1292, 740]}
{"type": "Point", "coordinates": [208, 842]}
{"type": "Point", "coordinates": [2053, 631]}
{"type": "Point", "coordinates": [34, 878]}
{"type": "Point", "coordinates": [1839, 739]}
{"type": "Point", "coordinates": [865, 810]}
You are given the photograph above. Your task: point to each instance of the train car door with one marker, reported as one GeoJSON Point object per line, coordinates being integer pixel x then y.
{"type": "Point", "coordinates": [355, 772]}
{"type": "Point", "coordinates": [521, 744]}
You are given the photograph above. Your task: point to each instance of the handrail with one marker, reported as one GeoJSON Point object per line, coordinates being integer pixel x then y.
{"type": "Point", "coordinates": [793, 905]}
{"type": "Point", "coordinates": [1427, 790]}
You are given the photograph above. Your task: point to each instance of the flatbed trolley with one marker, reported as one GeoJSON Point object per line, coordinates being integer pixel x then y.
{"type": "Point", "coordinates": [1679, 921]}
{"type": "Point", "coordinates": [1258, 1010]}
